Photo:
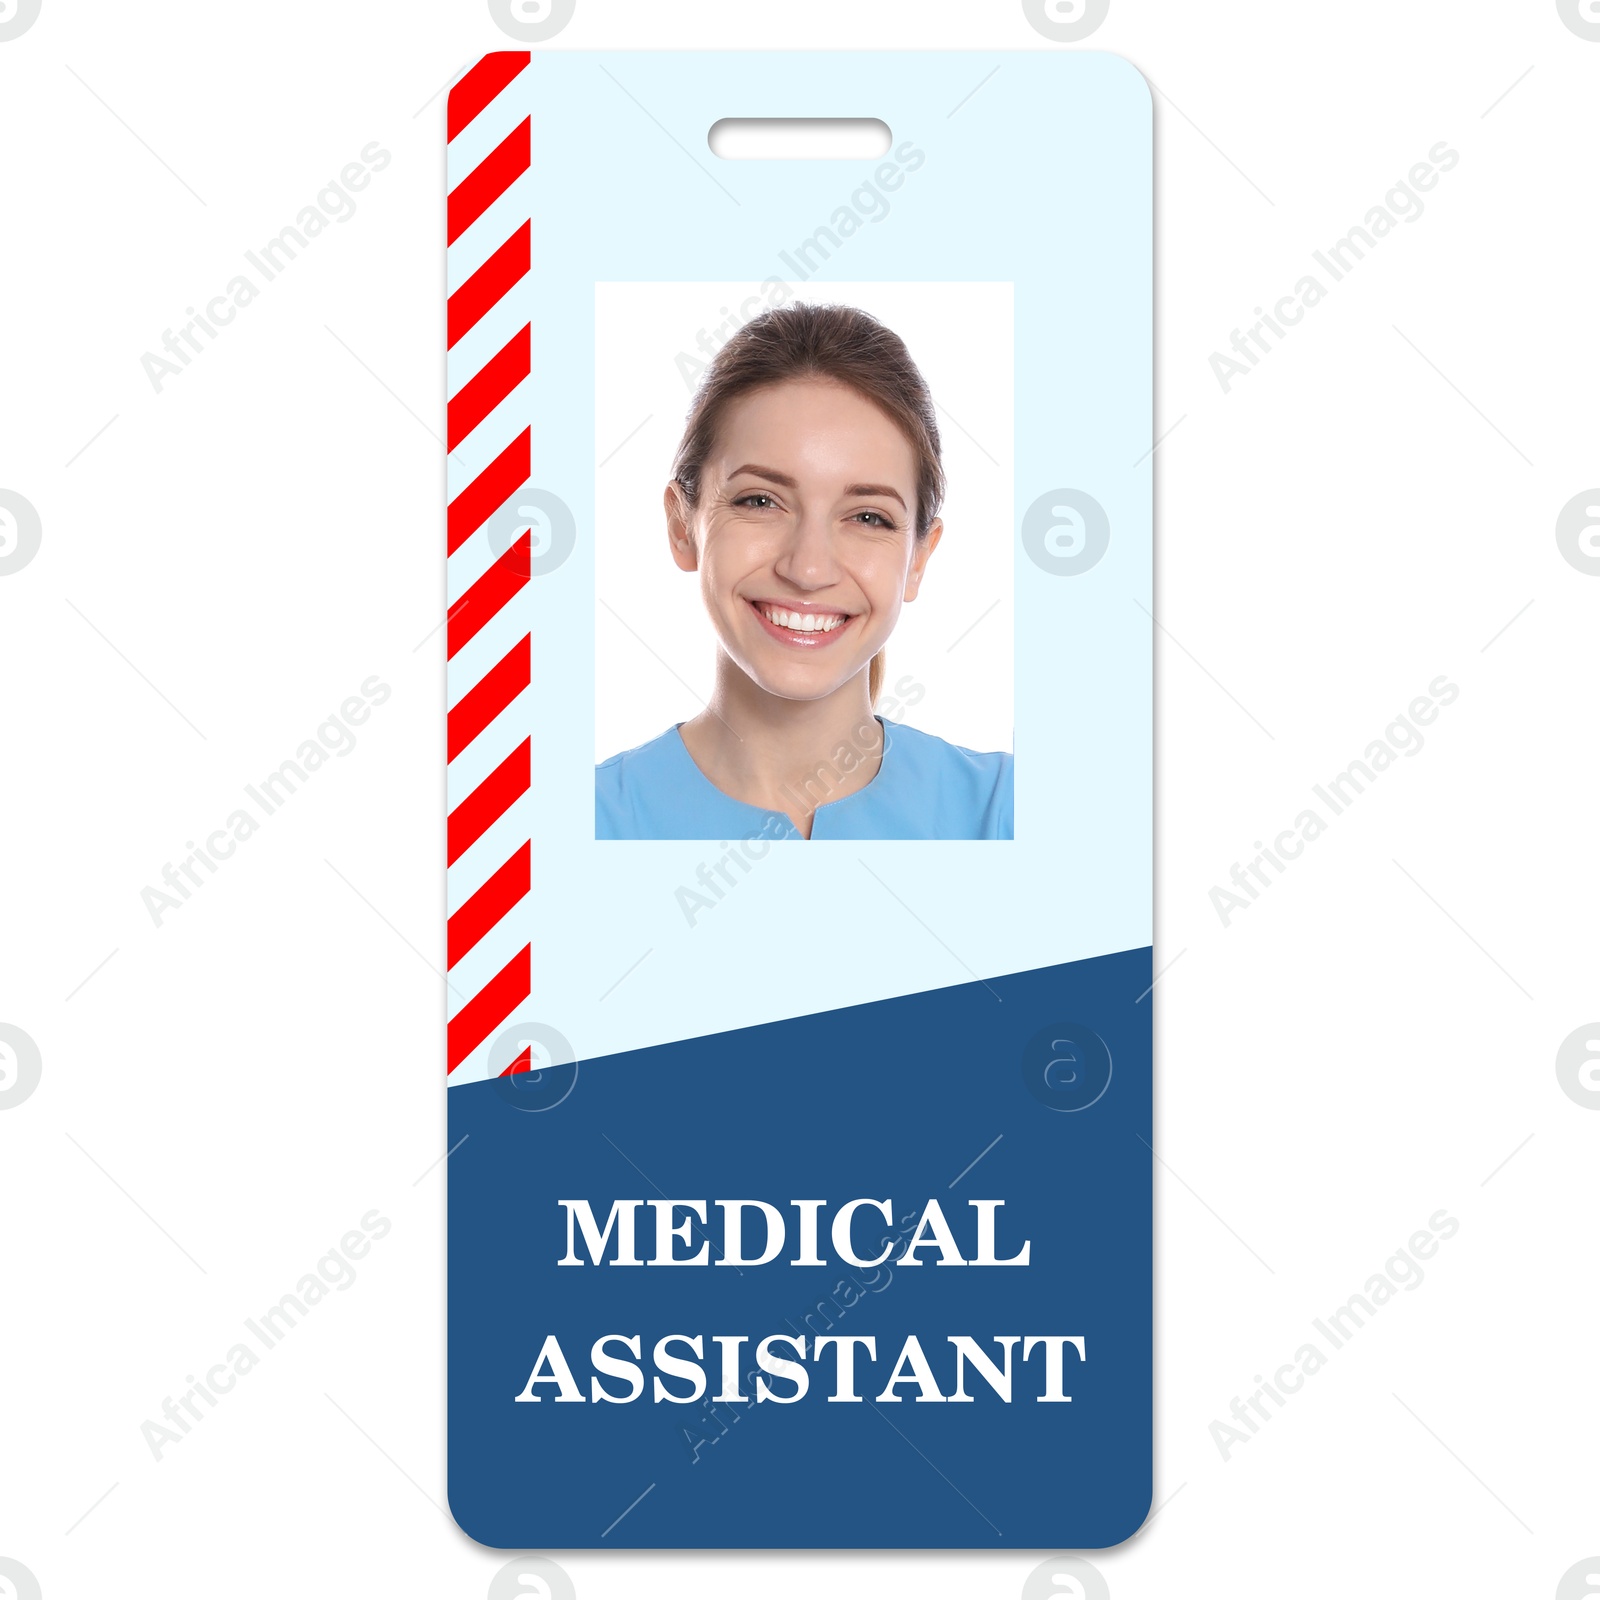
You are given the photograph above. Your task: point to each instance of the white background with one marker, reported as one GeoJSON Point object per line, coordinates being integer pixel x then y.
{"type": "Point", "coordinates": [955, 640]}
{"type": "Point", "coordinates": [1374, 1039]}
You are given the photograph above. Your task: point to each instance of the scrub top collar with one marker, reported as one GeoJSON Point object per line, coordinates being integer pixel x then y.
{"type": "Point", "coordinates": [878, 788]}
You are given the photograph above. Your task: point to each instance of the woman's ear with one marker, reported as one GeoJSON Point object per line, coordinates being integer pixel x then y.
{"type": "Point", "coordinates": [680, 539]}
{"type": "Point", "coordinates": [924, 547]}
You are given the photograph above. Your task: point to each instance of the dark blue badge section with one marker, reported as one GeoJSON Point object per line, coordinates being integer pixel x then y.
{"type": "Point", "coordinates": [1032, 1090]}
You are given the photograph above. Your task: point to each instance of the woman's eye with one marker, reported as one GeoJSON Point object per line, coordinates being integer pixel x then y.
{"type": "Point", "coordinates": [751, 499]}
{"type": "Point", "coordinates": [874, 519]}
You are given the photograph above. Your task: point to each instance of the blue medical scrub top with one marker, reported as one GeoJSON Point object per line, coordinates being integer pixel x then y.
{"type": "Point", "coordinates": [924, 789]}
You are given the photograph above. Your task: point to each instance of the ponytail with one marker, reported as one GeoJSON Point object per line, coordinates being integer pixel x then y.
{"type": "Point", "coordinates": [875, 678]}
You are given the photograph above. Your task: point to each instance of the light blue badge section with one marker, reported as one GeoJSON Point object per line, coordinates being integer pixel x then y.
{"type": "Point", "coordinates": [1042, 179]}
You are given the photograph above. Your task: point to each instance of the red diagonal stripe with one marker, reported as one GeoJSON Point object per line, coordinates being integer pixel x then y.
{"type": "Point", "coordinates": [489, 801]}
{"type": "Point", "coordinates": [521, 1064]}
{"type": "Point", "coordinates": [488, 180]}
{"type": "Point", "coordinates": [476, 398]}
{"type": "Point", "coordinates": [486, 699]}
{"type": "Point", "coordinates": [481, 85]}
{"type": "Point", "coordinates": [490, 283]}
{"type": "Point", "coordinates": [489, 490]}
{"type": "Point", "coordinates": [487, 906]}
{"type": "Point", "coordinates": [489, 1007]}
{"type": "Point", "coordinates": [484, 600]}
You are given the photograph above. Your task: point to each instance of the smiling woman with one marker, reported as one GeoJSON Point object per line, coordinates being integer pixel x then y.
{"type": "Point", "coordinates": [806, 496]}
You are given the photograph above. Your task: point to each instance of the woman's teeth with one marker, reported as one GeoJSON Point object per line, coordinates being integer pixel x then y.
{"type": "Point", "coordinates": [804, 621]}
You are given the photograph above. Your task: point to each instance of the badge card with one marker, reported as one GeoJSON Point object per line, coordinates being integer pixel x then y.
{"type": "Point", "coordinates": [799, 783]}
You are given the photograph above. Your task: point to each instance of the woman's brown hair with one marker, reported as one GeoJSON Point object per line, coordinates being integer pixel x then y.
{"type": "Point", "coordinates": [808, 341]}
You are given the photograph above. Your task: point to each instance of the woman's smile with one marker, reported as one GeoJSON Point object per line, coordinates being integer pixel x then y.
{"type": "Point", "coordinates": [802, 625]}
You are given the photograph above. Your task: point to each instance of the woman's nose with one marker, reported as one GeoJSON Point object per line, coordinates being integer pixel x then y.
{"type": "Point", "coordinates": [808, 560]}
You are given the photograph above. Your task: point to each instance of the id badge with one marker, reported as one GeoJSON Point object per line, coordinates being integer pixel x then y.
{"type": "Point", "coordinates": [799, 774]}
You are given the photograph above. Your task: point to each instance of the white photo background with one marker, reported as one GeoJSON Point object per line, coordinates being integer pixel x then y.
{"type": "Point", "coordinates": [655, 650]}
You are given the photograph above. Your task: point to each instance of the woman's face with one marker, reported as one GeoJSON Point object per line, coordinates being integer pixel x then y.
{"type": "Point", "coordinates": [804, 537]}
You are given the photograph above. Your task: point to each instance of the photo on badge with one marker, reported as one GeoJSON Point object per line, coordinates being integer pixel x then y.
{"type": "Point", "coordinates": [803, 561]}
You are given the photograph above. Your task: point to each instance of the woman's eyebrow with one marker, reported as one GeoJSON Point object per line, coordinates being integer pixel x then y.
{"type": "Point", "coordinates": [765, 472]}
{"type": "Point", "coordinates": [876, 488]}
